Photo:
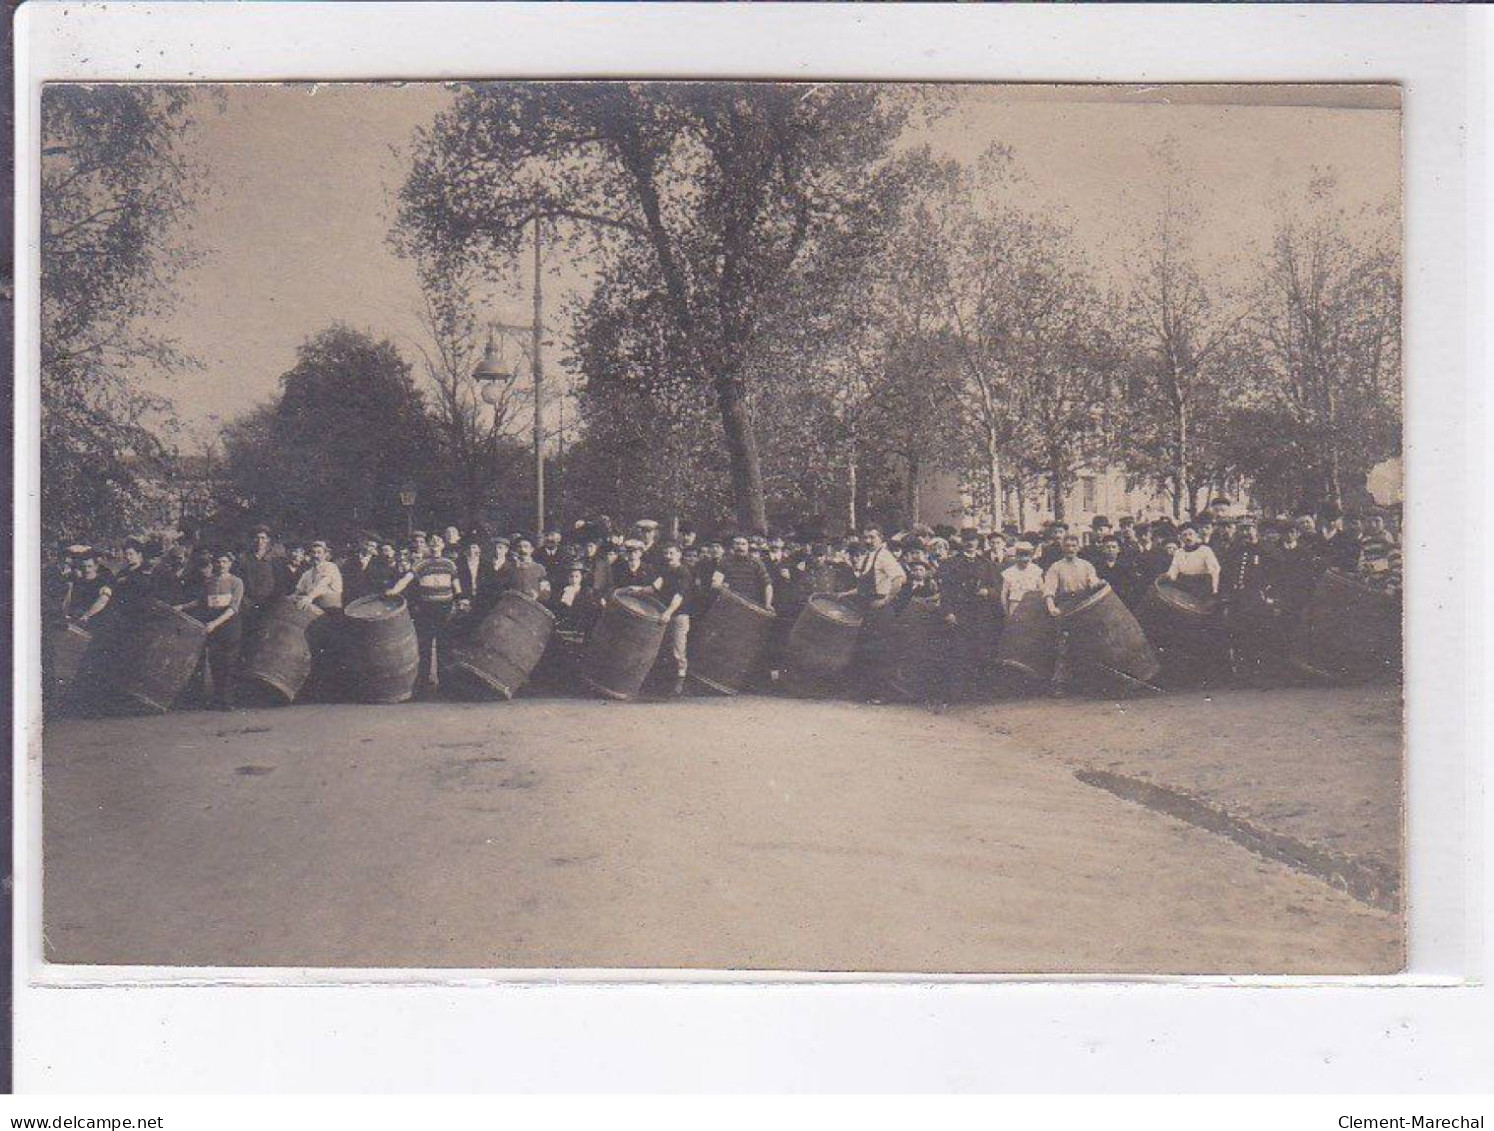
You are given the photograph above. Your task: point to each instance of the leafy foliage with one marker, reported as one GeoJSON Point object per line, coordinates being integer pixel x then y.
{"type": "Point", "coordinates": [707, 199]}
{"type": "Point", "coordinates": [1328, 331]}
{"type": "Point", "coordinates": [349, 431]}
{"type": "Point", "coordinates": [117, 194]}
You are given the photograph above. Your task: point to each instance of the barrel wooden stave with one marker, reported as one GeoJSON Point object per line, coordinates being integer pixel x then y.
{"type": "Point", "coordinates": [1181, 622]}
{"type": "Point", "coordinates": [913, 651]}
{"type": "Point", "coordinates": [623, 646]}
{"type": "Point", "coordinates": [66, 647]}
{"type": "Point", "coordinates": [1028, 645]}
{"type": "Point", "coordinates": [278, 657]}
{"type": "Point", "coordinates": [501, 650]}
{"type": "Point", "coordinates": [1349, 632]}
{"type": "Point", "coordinates": [729, 642]}
{"type": "Point", "coordinates": [823, 642]}
{"type": "Point", "coordinates": [154, 656]}
{"type": "Point", "coordinates": [1105, 639]}
{"type": "Point", "coordinates": [378, 652]}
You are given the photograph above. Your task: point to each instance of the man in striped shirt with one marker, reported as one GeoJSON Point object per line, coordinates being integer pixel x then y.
{"type": "Point", "coordinates": [434, 581]}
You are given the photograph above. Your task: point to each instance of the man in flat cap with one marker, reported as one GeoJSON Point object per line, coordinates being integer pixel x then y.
{"type": "Point", "coordinates": [744, 574]}
{"type": "Point", "coordinates": [631, 571]}
{"type": "Point", "coordinates": [363, 571]}
{"type": "Point", "coordinates": [264, 575]}
{"type": "Point", "coordinates": [524, 573]}
{"type": "Point", "coordinates": [1022, 577]}
{"type": "Point", "coordinates": [646, 530]}
{"type": "Point", "coordinates": [713, 551]}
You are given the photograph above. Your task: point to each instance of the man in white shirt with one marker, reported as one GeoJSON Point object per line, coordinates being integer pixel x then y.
{"type": "Point", "coordinates": [1070, 577]}
{"type": "Point", "coordinates": [879, 575]}
{"type": "Point", "coordinates": [1195, 566]}
{"type": "Point", "coordinates": [1020, 579]}
{"type": "Point", "coordinates": [321, 584]}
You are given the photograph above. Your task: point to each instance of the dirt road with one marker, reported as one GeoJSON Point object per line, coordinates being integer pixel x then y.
{"type": "Point", "coordinates": [754, 833]}
{"type": "Point", "coordinates": [1314, 774]}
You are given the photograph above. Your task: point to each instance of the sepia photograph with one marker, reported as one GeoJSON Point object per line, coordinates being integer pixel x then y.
{"type": "Point", "coordinates": [842, 527]}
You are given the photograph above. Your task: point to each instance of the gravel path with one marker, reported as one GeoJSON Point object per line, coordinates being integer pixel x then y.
{"type": "Point", "coordinates": [751, 833]}
{"type": "Point", "coordinates": [1318, 769]}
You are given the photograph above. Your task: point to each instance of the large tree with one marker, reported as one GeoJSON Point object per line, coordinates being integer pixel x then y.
{"type": "Point", "coordinates": [1328, 321]}
{"type": "Point", "coordinates": [348, 432]}
{"type": "Point", "coordinates": [1181, 322]}
{"type": "Point", "coordinates": [722, 194]}
{"type": "Point", "coordinates": [117, 191]}
{"type": "Point", "coordinates": [650, 434]}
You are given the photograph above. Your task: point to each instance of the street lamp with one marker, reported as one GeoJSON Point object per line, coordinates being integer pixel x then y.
{"type": "Point", "coordinates": [407, 500]}
{"type": "Point", "coordinates": [491, 373]}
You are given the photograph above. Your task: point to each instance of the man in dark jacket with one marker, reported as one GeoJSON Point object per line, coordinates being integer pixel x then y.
{"type": "Point", "coordinates": [363, 572]}
{"type": "Point", "coordinates": [264, 575]}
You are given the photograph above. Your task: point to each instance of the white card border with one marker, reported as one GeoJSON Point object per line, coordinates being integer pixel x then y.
{"type": "Point", "coordinates": [129, 1037]}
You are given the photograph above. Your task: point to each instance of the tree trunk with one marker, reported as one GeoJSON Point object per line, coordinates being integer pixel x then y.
{"type": "Point", "coordinates": [741, 447]}
{"type": "Point", "coordinates": [1184, 490]}
{"type": "Point", "coordinates": [1055, 479]}
{"type": "Point", "coordinates": [1334, 485]}
{"type": "Point", "coordinates": [911, 499]}
{"type": "Point", "coordinates": [1021, 508]}
{"type": "Point", "coordinates": [851, 490]}
{"type": "Point", "coordinates": [993, 476]}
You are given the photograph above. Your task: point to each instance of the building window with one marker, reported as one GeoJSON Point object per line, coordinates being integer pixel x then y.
{"type": "Point", "coordinates": [1087, 484]}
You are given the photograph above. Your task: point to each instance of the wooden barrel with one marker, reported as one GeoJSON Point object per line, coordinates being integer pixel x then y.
{"type": "Point", "coordinates": [623, 646]}
{"type": "Point", "coordinates": [498, 654]}
{"type": "Point", "coordinates": [1349, 632]}
{"type": "Point", "coordinates": [914, 651]}
{"type": "Point", "coordinates": [1106, 644]}
{"type": "Point", "coordinates": [729, 642]}
{"type": "Point", "coordinates": [1028, 646]}
{"type": "Point", "coordinates": [378, 653]}
{"type": "Point", "coordinates": [154, 655]}
{"type": "Point", "coordinates": [822, 643]}
{"type": "Point", "coordinates": [62, 658]}
{"type": "Point", "coordinates": [1182, 622]}
{"type": "Point", "coordinates": [278, 655]}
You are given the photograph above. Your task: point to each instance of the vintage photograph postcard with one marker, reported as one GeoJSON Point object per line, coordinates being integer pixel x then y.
{"type": "Point", "coordinates": [722, 526]}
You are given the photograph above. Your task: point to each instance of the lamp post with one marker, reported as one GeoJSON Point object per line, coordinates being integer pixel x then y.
{"type": "Point", "coordinates": [491, 370]}
{"type": "Point", "coordinates": [407, 500]}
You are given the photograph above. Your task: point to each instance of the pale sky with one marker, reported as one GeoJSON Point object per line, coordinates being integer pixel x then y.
{"type": "Point", "coordinates": [294, 227]}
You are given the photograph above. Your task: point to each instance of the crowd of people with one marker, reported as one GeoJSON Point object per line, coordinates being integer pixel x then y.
{"type": "Point", "coordinates": [975, 580]}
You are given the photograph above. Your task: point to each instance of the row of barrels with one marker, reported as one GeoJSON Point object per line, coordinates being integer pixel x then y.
{"type": "Point", "coordinates": [144, 664]}
{"type": "Point", "coordinates": [368, 652]}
